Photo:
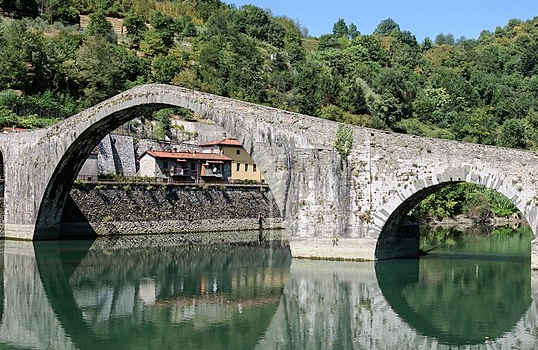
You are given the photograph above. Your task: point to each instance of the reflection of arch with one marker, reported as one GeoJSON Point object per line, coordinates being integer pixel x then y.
{"type": "Point", "coordinates": [494, 299]}
{"type": "Point", "coordinates": [69, 266]}
{"type": "Point", "coordinates": [391, 243]}
{"type": "Point", "coordinates": [79, 134]}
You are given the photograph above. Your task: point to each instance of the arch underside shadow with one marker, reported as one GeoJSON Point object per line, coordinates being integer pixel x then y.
{"type": "Point", "coordinates": [399, 238]}
{"type": "Point", "coordinates": [48, 224]}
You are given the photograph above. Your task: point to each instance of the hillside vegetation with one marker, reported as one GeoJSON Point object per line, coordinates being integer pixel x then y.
{"type": "Point", "coordinates": [482, 90]}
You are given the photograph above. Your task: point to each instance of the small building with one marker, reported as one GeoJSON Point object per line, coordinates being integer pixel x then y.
{"type": "Point", "coordinates": [243, 167]}
{"type": "Point", "coordinates": [186, 166]}
{"type": "Point", "coordinates": [89, 170]}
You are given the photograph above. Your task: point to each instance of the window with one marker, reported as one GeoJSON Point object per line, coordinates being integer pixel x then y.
{"type": "Point", "coordinates": [254, 167]}
{"type": "Point", "coordinates": [238, 152]}
{"type": "Point", "coordinates": [238, 167]}
{"type": "Point", "coordinates": [193, 166]}
{"type": "Point", "coordinates": [246, 167]}
{"type": "Point", "coordinates": [165, 164]}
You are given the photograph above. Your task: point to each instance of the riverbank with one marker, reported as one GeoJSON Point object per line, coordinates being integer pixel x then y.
{"type": "Point", "coordinates": [464, 222]}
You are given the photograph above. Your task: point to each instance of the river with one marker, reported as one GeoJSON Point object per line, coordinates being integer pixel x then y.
{"type": "Point", "coordinates": [473, 291]}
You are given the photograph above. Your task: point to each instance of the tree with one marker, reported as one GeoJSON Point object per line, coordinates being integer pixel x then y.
{"type": "Point", "coordinates": [513, 133]}
{"type": "Point", "coordinates": [476, 125]}
{"type": "Point", "coordinates": [20, 8]}
{"type": "Point", "coordinates": [353, 31]}
{"type": "Point", "coordinates": [386, 27]}
{"type": "Point", "coordinates": [444, 39]}
{"type": "Point", "coordinates": [258, 24]}
{"type": "Point", "coordinates": [165, 28]}
{"type": "Point", "coordinates": [135, 27]}
{"type": "Point", "coordinates": [165, 68]}
{"type": "Point", "coordinates": [98, 70]}
{"type": "Point", "coordinates": [340, 28]}
{"type": "Point", "coordinates": [99, 26]}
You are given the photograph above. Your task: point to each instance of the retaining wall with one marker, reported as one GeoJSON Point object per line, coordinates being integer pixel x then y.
{"type": "Point", "coordinates": [122, 208]}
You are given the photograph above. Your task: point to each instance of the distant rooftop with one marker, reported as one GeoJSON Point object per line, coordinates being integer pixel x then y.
{"type": "Point", "coordinates": [188, 155]}
{"type": "Point", "coordinates": [9, 129]}
{"type": "Point", "coordinates": [224, 142]}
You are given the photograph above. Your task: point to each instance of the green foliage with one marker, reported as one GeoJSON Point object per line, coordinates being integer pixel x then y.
{"type": "Point", "coordinates": [59, 11]}
{"type": "Point", "coordinates": [162, 117]}
{"type": "Point", "coordinates": [259, 24]}
{"type": "Point", "coordinates": [100, 27]}
{"type": "Point", "coordinates": [482, 90]}
{"type": "Point", "coordinates": [344, 141]}
{"type": "Point", "coordinates": [474, 201]}
{"type": "Point", "coordinates": [386, 27]}
{"type": "Point", "coordinates": [135, 25]}
{"type": "Point", "coordinates": [477, 126]}
{"type": "Point", "coordinates": [513, 133]}
{"type": "Point", "coordinates": [165, 68]}
{"type": "Point", "coordinates": [20, 8]}
{"type": "Point", "coordinates": [164, 27]}
{"type": "Point", "coordinates": [98, 69]}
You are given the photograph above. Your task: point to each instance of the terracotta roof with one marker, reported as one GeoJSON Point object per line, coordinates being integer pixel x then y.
{"type": "Point", "coordinates": [225, 142]}
{"type": "Point", "coordinates": [7, 130]}
{"type": "Point", "coordinates": [188, 155]}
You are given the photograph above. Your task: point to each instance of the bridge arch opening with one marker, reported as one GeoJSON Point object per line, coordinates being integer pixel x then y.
{"type": "Point", "coordinates": [401, 233]}
{"type": "Point", "coordinates": [93, 125]}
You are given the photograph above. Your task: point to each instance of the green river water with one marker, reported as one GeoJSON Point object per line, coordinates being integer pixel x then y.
{"type": "Point", "coordinates": [474, 290]}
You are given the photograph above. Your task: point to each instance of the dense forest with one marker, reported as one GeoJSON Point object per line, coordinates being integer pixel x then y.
{"type": "Point", "coordinates": [482, 90]}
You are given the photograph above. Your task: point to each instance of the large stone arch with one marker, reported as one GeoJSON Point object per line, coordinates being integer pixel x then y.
{"type": "Point", "coordinates": [394, 241]}
{"type": "Point", "coordinates": [271, 144]}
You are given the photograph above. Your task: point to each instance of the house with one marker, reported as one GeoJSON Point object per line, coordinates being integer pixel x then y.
{"type": "Point", "coordinates": [186, 166]}
{"type": "Point", "coordinates": [243, 167]}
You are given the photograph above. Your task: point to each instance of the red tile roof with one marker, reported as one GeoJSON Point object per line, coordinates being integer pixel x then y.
{"type": "Point", "coordinates": [225, 142]}
{"type": "Point", "coordinates": [7, 130]}
{"type": "Point", "coordinates": [188, 155]}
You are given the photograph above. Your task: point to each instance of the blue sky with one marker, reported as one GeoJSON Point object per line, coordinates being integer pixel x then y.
{"type": "Point", "coordinates": [421, 17]}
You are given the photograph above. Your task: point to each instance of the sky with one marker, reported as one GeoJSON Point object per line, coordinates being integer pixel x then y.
{"type": "Point", "coordinates": [423, 18]}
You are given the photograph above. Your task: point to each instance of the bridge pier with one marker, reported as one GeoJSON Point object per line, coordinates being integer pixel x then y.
{"type": "Point", "coordinates": [19, 231]}
{"type": "Point", "coordinates": [357, 249]}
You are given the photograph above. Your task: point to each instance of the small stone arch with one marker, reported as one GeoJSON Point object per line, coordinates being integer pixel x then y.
{"type": "Point", "coordinates": [396, 241]}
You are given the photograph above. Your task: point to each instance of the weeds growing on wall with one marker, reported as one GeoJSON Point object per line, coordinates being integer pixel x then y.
{"type": "Point", "coordinates": [344, 140]}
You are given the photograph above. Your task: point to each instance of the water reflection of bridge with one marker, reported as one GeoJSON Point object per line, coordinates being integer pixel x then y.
{"type": "Point", "coordinates": [79, 297]}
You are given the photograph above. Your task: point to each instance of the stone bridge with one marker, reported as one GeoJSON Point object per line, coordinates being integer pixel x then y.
{"type": "Point", "coordinates": [361, 199]}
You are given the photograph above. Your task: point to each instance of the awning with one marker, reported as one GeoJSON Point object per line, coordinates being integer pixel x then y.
{"type": "Point", "coordinates": [215, 161]}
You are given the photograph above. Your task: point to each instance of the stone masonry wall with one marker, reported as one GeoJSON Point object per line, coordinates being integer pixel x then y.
{"type": "Point", "coordinates": [116, 155]}
{"type": "Point", "coordinates": [160, 209]}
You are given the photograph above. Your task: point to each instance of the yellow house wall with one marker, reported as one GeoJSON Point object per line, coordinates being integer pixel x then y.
{"type": "Point", "coordinates": [242, 158]}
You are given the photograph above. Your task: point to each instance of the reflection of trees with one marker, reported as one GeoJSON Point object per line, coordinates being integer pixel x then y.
{"type": "Point", "coordinates": [164, 297]}
{"type": "Point", "coordinates": [504, 241]}
{"type": "Point", "coordinates": [457, 301]}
